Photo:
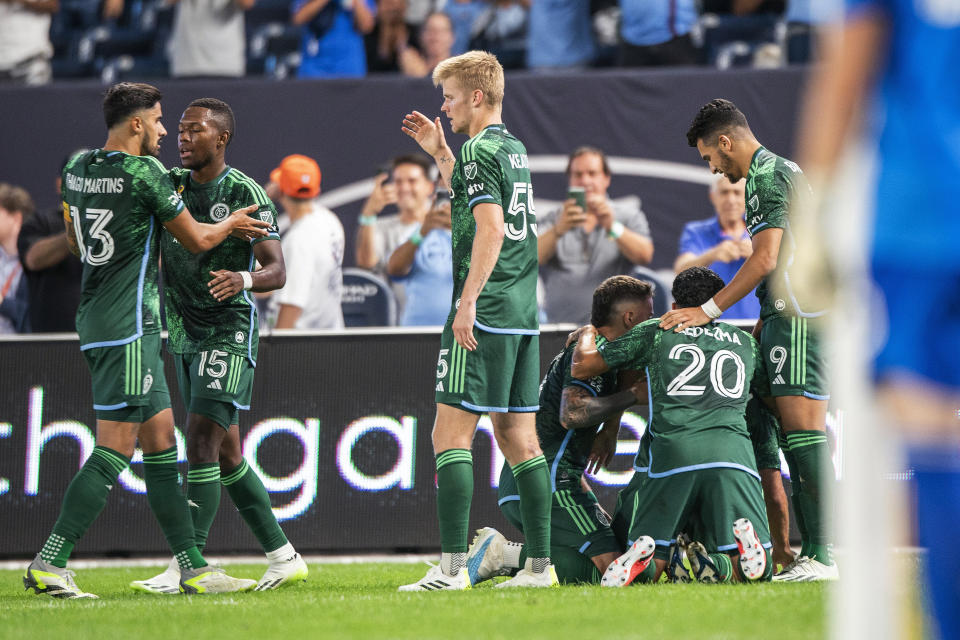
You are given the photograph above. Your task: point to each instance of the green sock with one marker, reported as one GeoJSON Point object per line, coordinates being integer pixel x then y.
{"type": "Point", "coordinates": [203, 496]}
{"type": "Point", "coordinates": [162, 477]}
{"type": "Point", "coordinates": [454, 495]}
{"type": "Point", "coordinates": [533, 485]}
{"type": "Point", "coordinates": [82, 503]}
{"type": "Point", "coordinates": [812, 453]}
{"type": "Point", "coordinates": [796, 492]}
{"type": "Point", "coordinates": [252, 501]}
{"type": "Point", "coordinates": [724, 566]}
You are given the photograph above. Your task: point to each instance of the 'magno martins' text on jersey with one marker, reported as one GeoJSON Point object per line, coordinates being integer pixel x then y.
{"type": "Point", "coordinates": [116, 203]}
{"type": "Point", "coordinates": [492, 168]}
{"type": "Point", "coordinates": [196, 321]}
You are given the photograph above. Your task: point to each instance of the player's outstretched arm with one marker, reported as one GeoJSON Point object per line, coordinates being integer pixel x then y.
{"type": "Point", "coordinates": [587, 361]}
{"type": "Point", "coordinates": [271, 275]}
{"type": "Point", "coordinates": [483, 258]}
{"type": "Point", "coordinates": [429, 135]}
{"type": "Point", "coordinates": [763, 260]}
{"type": "Point", "coordinates": [198, 237]}
{"type": "Point", "coordinates": [579, 409]}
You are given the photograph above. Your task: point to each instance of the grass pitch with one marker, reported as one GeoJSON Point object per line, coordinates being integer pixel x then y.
{"type": "Point", "coordinates": [361, 601]}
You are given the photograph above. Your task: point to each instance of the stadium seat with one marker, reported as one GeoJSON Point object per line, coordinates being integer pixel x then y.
{"type": "Point", "coordinates": [731, 40]}
{"type": "Point", "coordinates": [662, 298]}
{"type": "Point", "coordinates": [367, 300]}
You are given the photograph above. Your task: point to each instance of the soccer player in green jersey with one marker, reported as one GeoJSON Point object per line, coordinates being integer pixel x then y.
{"type": "Point", "coordinates": [582, 544]}
{"type": "Point", "coordinates": [214, 335]}
{"type": "Point", "coordinates": [790, 336]}
{"type": "Point", "coordinates": [114, 200]}
{"type": "Point", "coordinates": [489, 350]}
{"type": "Point", "coordinates": [700, 461]}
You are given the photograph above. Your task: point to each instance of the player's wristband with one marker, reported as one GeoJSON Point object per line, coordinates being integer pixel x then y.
{"type": "Point", "coordinates": [616, 230]}
{"type": "Point", "coordinates": [416, 238]}
{"type": "Point", "coordinates": [368, 221]}
{"type": "Point", "coordinates": [711, 309]}
{"type": "Point", "coordinates": [247, 280]}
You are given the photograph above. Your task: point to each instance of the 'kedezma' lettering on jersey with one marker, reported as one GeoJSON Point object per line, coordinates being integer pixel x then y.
{"type": "Point", "coordinates": [700, 383]}
{"type": "Point", "coordinates": [196, 321]}
{"type": "Point", "coordinates": [773, 184]}
{"type": "Point", "coordinates": [493, 168]}
{"type": "Point", "coordinates": [117, 202]}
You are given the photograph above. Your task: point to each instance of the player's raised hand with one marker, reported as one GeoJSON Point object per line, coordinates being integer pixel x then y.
{"type": "Point", "coordinates": [225, 284]}
{"type": "Point", "coordinates": [463, 325]}
{"type": "Point", "coordinates": [428, 133]}
{"type": "Point", "coordinates": [680, 319]}
{"type": "Point", "coordinates": [246, 227]}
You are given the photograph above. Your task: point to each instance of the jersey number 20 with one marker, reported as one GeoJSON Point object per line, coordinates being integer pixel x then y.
{"type": "Point", "coordinates": [680, 386]}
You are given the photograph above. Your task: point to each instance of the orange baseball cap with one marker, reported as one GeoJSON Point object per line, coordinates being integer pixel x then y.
{"type": "Point", "coordinates": [298, 176]}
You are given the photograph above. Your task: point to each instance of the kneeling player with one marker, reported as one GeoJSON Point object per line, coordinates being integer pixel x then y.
{"type": "Point", "coordinates": [582, 542]}
{"type": "Point", "coordinates": [701, 463]}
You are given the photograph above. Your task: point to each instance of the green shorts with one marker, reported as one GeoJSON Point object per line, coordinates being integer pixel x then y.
{"type": "Point", "coordinates": [796, 358]}
{"type": "Point", "coordinates": [576, 520]}
{"type": "Point", "coordinates": [502, 374]}
{"type": "Point", "coordinates": [709, 499]}
{"type": "Point", "coordinates": [128, 380]}
{"type": "Point", "coordinates": [215, 384]}
{"type": "Point", "coordinates": [764, 434]}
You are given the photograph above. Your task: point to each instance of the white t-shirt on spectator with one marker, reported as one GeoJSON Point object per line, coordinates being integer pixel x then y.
{"type": "Point", "coordinates": [313, 253]}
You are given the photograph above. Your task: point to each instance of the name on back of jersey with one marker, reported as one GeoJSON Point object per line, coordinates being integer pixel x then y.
{"type": "Point", "coordinates": [94, 185]}
{"type": "Point", "coordinates": [713, 332]}
{"type": "Point", "coordinates": [518, 160]}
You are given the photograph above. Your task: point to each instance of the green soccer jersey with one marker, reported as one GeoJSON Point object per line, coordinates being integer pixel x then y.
{"type": "Point", "coordinates": [566, 450]}
{"type": "Point", "coordinates": [773, 183]}
{"type": "Point", "coordinates": [492, 167]}
{"type": "Point", "coordinates": [117, 202]}
{"type": "Point", "coordinates": [699, 383]}
{"type": "Point", "coordinates": [196, 321]}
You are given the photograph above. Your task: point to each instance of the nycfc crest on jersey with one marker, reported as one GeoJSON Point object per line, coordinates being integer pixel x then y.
{"type": "Point", "coordinates": [219, 211]}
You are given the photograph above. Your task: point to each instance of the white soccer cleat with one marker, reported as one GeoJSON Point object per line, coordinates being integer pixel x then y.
{"type": "Point", "coordinates": [165, 583]}
{"type": "Point", "coordinates": [210, 579]}
{"type": "Point", "coordinates": [485, 556]}
{"type": "Point", "coordinates": [527, 577]}
{"type": "Point", "coordinates": [44, 578]}
{"type": "Point", "coordinates": [437, 580]}
{"type": "Point", "coordinates": [625, 569]}
{"type": "Point", "coordinates": [284, 572]}
{"type": "Point", "coordinates": [753, 557]}
{"type": "Point", "coordinates": [805, 569]}
{"type": "Point", "coordinates": [702, 566]}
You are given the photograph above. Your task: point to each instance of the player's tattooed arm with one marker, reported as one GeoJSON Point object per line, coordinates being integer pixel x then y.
{"type": "Point", "coordinates": [587, 361]}
{"type": "Point", "coordinates": [579, 409]}
{"type": "Point", "coordinates": [271, 275]}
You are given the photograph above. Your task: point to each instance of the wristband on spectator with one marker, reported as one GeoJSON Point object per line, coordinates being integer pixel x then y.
{"type": "Point", "coordinates": [368, 221]}
{"type": "Point", "coordinates": [415, 238]}
{"type": "Point", "coordinates": [711, 309]}
{"type": "Point", "coordinates": [247, 280]}
{"type": "Point", "coordinates": [616, 230]}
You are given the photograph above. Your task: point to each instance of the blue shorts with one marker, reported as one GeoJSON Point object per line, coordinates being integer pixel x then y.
{"type": "Point", "coordinates": [921, 331]}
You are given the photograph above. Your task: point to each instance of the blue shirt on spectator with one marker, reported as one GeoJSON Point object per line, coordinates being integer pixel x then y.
{"type": "Point", "coordinates": [700, 236]}
{"type": "Point", "coordinates": [339, 51]}
{"type": "Point", "coordinates": [429, 285]}
{"type": "Point", "coordinates": [560, 35]}
{"type": "Point", "coordinates": [649, 22]}
{"type": "Point", "coordinates": [463, 15]}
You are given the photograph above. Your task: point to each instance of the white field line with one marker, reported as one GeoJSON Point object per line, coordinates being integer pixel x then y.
{"type": "Point", "coordinates": [115, 563]}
